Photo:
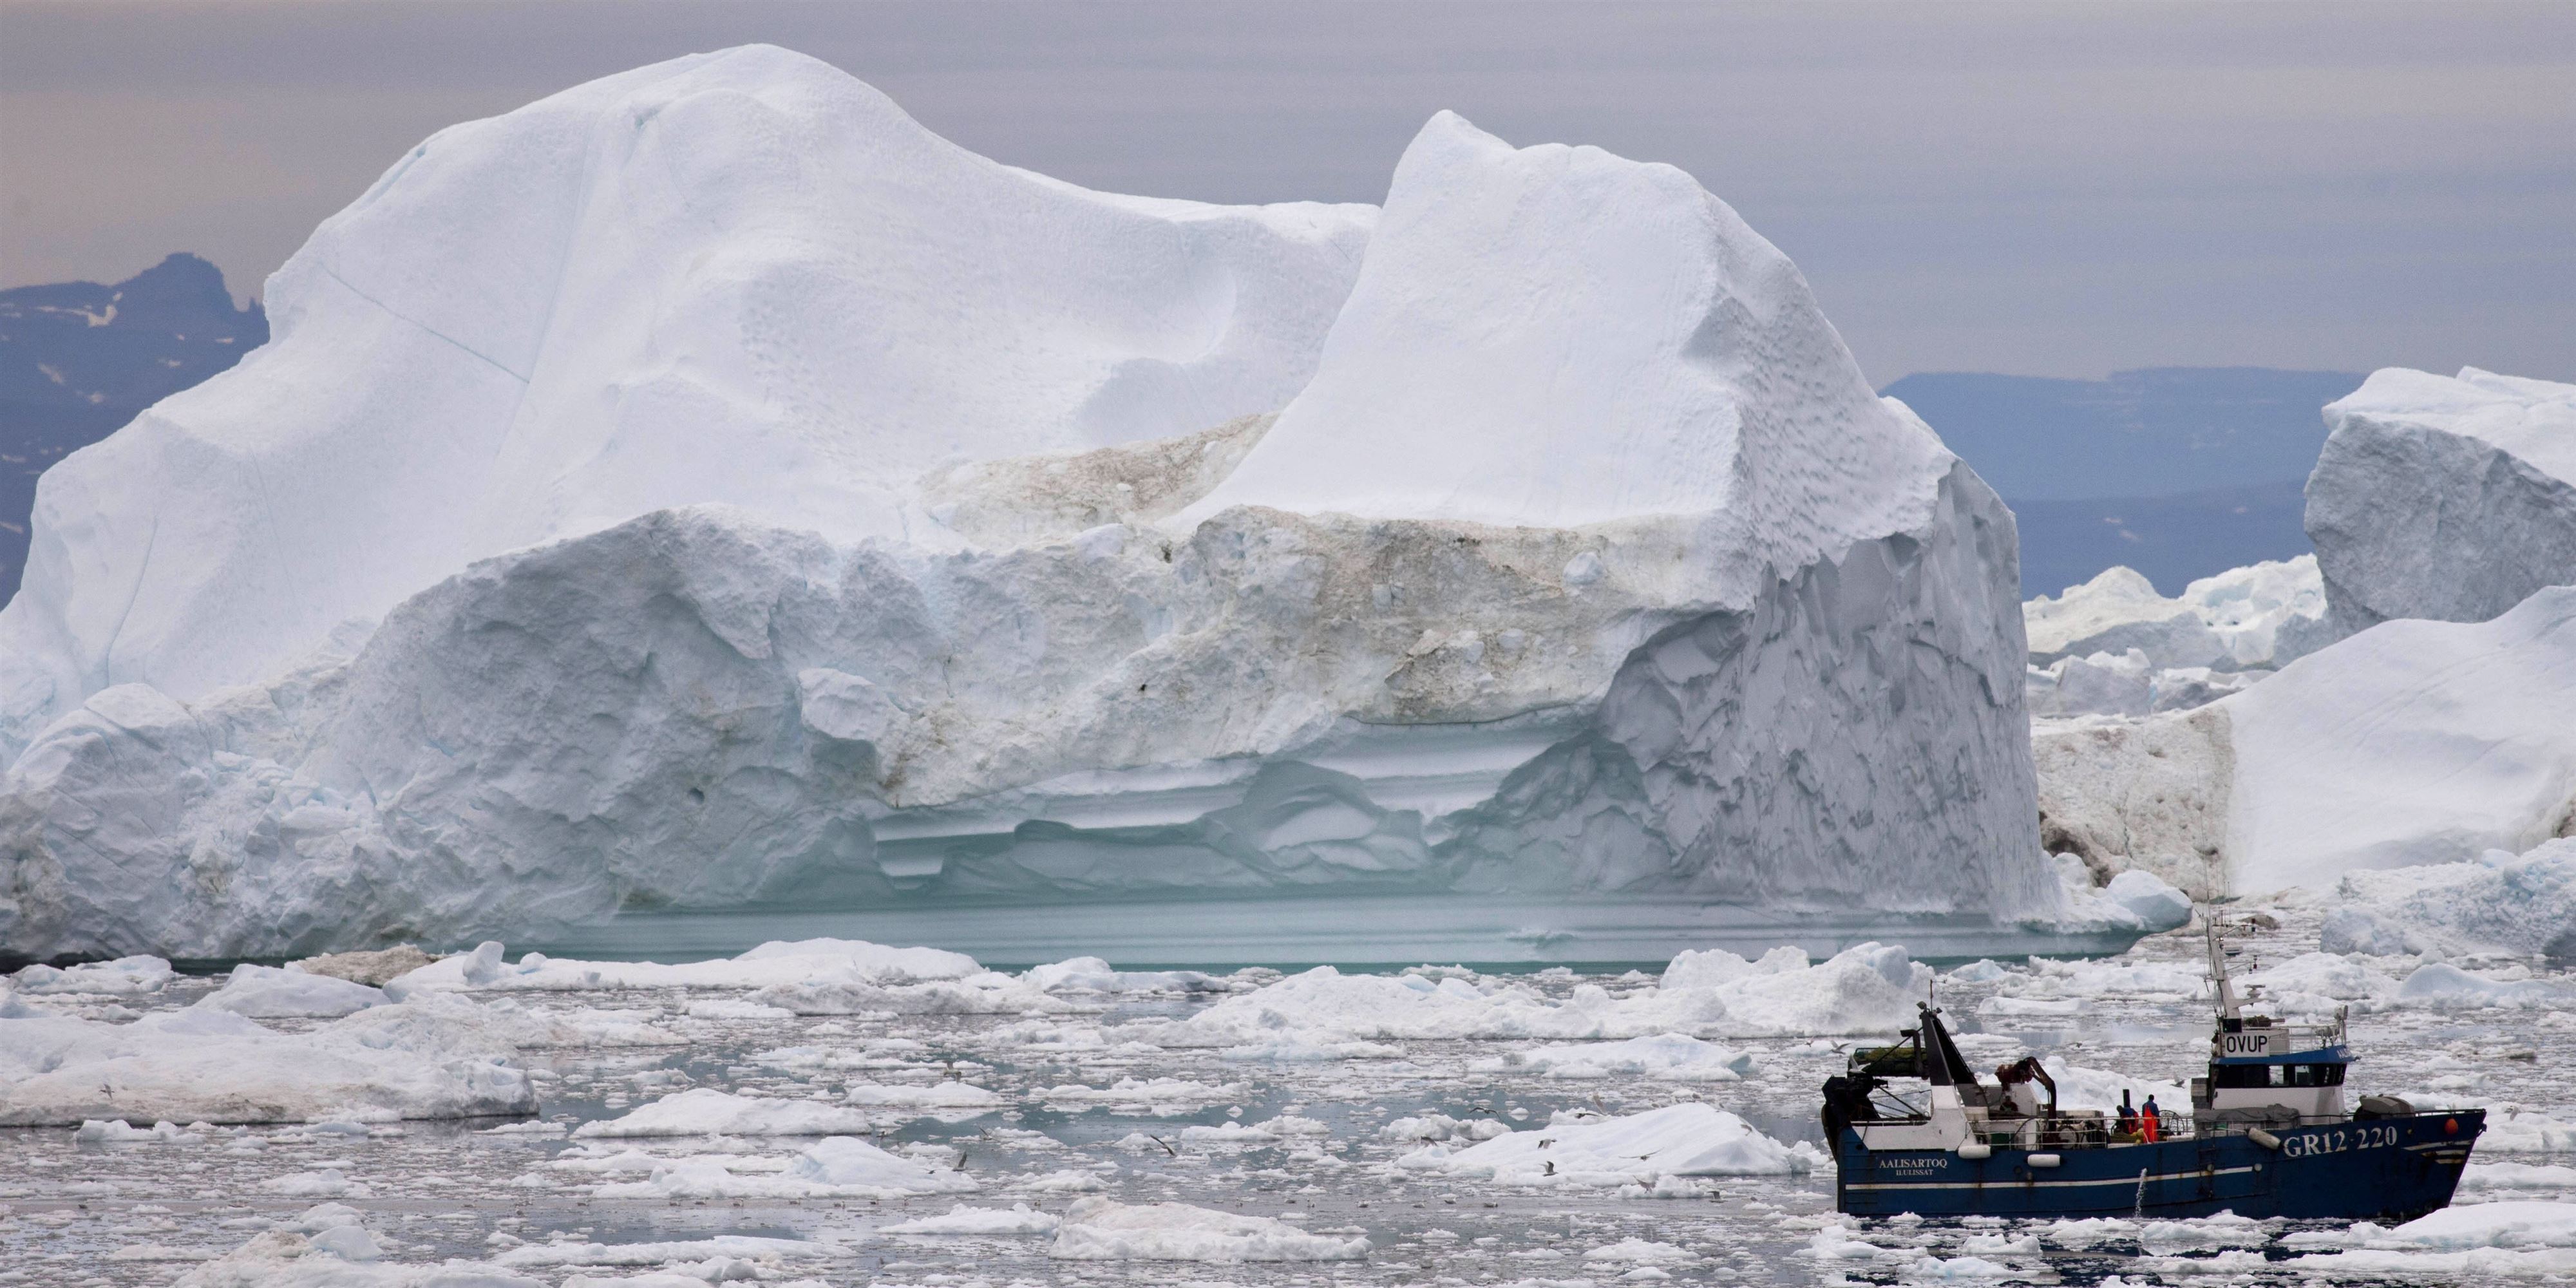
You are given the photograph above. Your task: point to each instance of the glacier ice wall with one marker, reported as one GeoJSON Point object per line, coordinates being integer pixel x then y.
{"type": "Point", "coordinates": [2449, 498]}
{"type": "Point", "coordinates": [1579, 579]}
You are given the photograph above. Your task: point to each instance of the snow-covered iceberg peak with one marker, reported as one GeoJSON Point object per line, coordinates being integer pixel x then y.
{"type": "Point", "coordinates": [741, 278]}
{"type": "Point", "coordinates": [1556, 336]}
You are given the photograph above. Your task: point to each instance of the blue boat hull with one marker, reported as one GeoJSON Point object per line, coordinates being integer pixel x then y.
{"type": "Point", "coordinates": [2368, 1169]}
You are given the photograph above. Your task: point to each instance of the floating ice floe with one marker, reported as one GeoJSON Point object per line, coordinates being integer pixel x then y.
{"type": "Point", "coordinates": [1866, 989]}
{"type": "Point", "coordinates": [1648, 1149]}
{"type": "Point", "coordinates": [834, 1167]}
{"type": "Point", "coordinates": [1642, 1252]}
{"type": "Point", "coordinates": [1268, 1132]}
{"type": "Point", "coordinates": [1106, 1230]}
{"type": "Point", "coordinates": [2516, 1129]}
{"type": "Point", "coordinates": [117, 1131]}
{"type": "Point", "coordinates": [123, 977]}
{"type": "Point", "coordinates": [323, 1183]}
{"type": "Point", "coordinates": [1161, 1093]}
{"type": "Point", "coordinates": [211, 1065]}
{"type": "Point", "coordinates": [659, 1253]}
{"type": "Point", "coordinates": [374, 967]}
{"type": "Point", "coordinates": [705, 1111]}
{"type": "Point", "coordinates": [2513, 1238]}
{"type": "Point", "coordinates": [957, 1100]}
{"type": "Point", "coordinates": [267, 992]}
{"type": "Point", "coordinates": [329, 1247]}
{"type": "Point", "coordinates": [1675, 1056]}
{"type": "Point", "coordinates": [2501, 902]}
{"type": "Point", "coordinates": [2515, 1176]}
{"type": "Point", "coordinates": [1093, 975]}
{"type": "Point", "coordinates": [2442, 985]}
{"type": "Point", "coordinates": [1018, 1218]}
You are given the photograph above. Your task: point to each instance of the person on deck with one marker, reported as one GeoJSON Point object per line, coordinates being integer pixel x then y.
{"type": "Point", "coordinates": [2128, 1118]}
{"type": "Point", "coordinates": [2151, 1121]}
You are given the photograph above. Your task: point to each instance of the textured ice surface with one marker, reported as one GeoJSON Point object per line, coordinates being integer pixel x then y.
{"type": "Point", "coordinates": [1865, 989]}
{"type": "Point", "coordinates": [705, 1112]}
{"type": "Point", "coordinates": [2126, 685]}
{"type": "Point", "coordinates": [883, 542]}
{"type": "Point", "coordinates": [2263, 614]}
{"type": "Point", "coordinates": [2502, 902]}
{"type": "Point", "coordinates": [2414, 742]}
{"type": "Point", "coordinates": [266, 992]}
{"type": "Point", "coordinates": [1106, 1230]}
{"type": "Point", "coordinates": [204, 1063]}
{"type": "Point", "coordinates": [1650, 1150]}
{"type": "Point", "coordinates": [2452, 498]}
{"type": "Point", "coordinates": [2117, 611]}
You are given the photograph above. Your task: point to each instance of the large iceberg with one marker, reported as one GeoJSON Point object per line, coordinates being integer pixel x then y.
{"type": "Point", "coordinates": [2411, 743]}
{"type": "Point", "coordinates": [2451, 498]}
{"type": "Point", "coordinates": [704, 506]}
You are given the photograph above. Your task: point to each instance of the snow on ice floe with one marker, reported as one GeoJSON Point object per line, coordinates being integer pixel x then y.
{"type": "Point", "coordinates": [1165, 652]}
{"type": "Point", "coordinates": [201, 1063]}
{"type": "Point", "coordinates": [1326, 1013]}
{"type": "Point", "coordinates": [1093, 975]}
{"type": "Point", "coordinates": [961, 1219]}
{"type": "Point", "coordinates": [2512, 1238]}
{"type": "Point", "coordinates": [329, 1246]}
{"type": "Point", "coordinates": [117, 1131]}
{"type": "Point", "coordinates": [123, 977]}
{"type": "Point", "coordinates": [268, 992]}
{"type": "Point", "coordinates": [1659, 1149]}
{"type": "Point", "coordinates": [834, 1167]}
{"type": "Point", "coordinates": [749, 1248]}
{"type": "Point", "coordinates": [1675, 1056]}
{"type": "Point", "coordinates": [1105, 1230]}
{"type": "Point", "coordinates": [705, 1111]}
{"type": "Point", "coordinates": [2444, 497]}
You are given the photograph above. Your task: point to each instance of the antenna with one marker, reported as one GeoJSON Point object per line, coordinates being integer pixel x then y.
{"type": "Point", "coordinates": [2219, 983]}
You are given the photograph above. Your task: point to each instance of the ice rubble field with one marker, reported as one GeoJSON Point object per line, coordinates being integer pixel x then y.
{"type": "Point", "coordinates": [839, 1113]}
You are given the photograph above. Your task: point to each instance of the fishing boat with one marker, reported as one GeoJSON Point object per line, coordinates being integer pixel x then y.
{"type": "Point", "coordinates": [1915, 1129]}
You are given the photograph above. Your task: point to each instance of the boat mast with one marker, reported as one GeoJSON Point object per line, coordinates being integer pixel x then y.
{"type": "Point", "coordinates": [2218, 973]}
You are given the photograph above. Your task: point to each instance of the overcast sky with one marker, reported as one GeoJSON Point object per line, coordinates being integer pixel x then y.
{"type": "Point", "coordinates": [2059, 190]}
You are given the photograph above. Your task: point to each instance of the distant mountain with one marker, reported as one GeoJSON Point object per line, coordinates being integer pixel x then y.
{"type": "Point", "coordinates": [78, 360]}
{"type": "Point", "coordinates": [2178, 472]}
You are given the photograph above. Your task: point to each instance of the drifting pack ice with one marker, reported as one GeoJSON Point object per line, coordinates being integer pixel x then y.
{"type": "Point", "coordinates": [706, 500]}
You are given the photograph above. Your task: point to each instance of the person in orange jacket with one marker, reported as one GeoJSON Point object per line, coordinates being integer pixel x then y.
{"type": "Point", "coordinates": [2151, 1122]}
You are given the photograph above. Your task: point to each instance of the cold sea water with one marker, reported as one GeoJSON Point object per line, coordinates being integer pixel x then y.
{"type": "Point", "coordinates": [1349, 1142]}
